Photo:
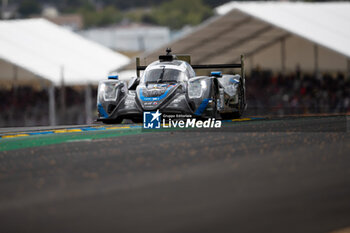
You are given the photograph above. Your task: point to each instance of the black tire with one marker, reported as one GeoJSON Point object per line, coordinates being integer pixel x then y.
{"type": "Point", "coordinates": [118, 120]}
{"type": "Point", "coordinates": [137, 120]}
{"type": "Point", "coordinates": [240, 102]}
{"type": "Point", "coordinates": [227, 116]}
{"type": "Point", "coordinates": [215, 97]}
{"type": "Point", "coordinates": [214, 113]}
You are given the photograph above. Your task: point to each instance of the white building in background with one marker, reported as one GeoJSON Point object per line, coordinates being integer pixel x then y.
{"type": "Point", "coordinates": [131, 37]}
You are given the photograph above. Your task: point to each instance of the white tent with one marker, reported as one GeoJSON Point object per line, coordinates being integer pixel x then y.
{"type": "Point", "coordinates": [279, 36]}
{"type": "Point", "coordinates": [327, 24]}
{"type": "Point", "coordinates": [42, 49]}
{"type": "Point", "coordinates": [36, 49]}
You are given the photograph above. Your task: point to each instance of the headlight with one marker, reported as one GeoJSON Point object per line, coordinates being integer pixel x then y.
{"type": "Point", "coordinates": [195, 88]}
{"type": "Point", "coordinates": [108, 91]}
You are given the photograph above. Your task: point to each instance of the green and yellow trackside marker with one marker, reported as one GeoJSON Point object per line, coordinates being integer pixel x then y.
{"type": "Point", "coordinates": [15, 135]}
{"type": "Point", "coordinates": [21, 140]}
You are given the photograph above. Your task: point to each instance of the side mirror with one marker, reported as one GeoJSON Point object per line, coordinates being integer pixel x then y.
{"type": "Point", "coordinates": [217, 74]}
{"type": "Point", "coordinates": [115, 77]}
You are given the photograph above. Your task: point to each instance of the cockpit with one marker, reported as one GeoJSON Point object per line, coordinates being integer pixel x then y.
{"type": "Point", "coordinates": [164, 75]}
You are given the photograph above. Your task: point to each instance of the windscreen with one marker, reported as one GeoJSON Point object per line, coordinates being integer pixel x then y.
{"type": "Point", "coordinates": [163, 75]}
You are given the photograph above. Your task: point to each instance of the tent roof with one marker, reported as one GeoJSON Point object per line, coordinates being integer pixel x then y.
{"type": "Point", "coordinates": [327, 24]}
{"type": "Point", "coordinates": [48, 51]}
{"type": "Point", "coordinates": [249, 27]}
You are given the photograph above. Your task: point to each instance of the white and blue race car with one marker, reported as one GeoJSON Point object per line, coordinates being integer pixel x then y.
{"type": "Point", "coordinates": [171, 86]}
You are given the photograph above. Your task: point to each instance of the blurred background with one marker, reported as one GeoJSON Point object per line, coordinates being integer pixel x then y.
{"type": "Point", "coordinates": [53, 53]}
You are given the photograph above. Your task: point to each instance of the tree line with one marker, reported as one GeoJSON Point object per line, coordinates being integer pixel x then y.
{"type": "Point", "coordinates": [96, 13]}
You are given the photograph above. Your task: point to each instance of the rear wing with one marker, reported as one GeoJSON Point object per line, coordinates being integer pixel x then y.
{"type": "Point", "coordinates": [210, 66]}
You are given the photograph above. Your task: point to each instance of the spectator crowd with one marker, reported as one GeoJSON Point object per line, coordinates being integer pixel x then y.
{"type": "Point", "coordinates": [25, 106]}
{"type": "Point", "coordinates": [297, 93]}
{"type": "Point", "coordinates": [267, 94]}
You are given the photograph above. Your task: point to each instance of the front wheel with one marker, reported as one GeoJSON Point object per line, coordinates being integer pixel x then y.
{"type": "Point", "coordinates": [118, 120]}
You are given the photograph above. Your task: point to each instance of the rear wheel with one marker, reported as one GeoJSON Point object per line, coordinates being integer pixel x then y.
{"type": "Point", "coordinates": [240, 106]}
{"type": "Point", "coordinates": [227, 116]}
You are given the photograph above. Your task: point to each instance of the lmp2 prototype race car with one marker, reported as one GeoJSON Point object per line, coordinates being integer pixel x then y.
{"type": "Point", "coordinates": [171, 86]}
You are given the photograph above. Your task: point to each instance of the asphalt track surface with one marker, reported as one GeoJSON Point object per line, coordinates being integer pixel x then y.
{"type": "Point", "coordinates": [269, 175]}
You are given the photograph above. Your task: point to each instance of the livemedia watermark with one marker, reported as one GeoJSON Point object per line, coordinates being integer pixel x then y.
{"type": "Point", "coordinates": [157, 120]}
